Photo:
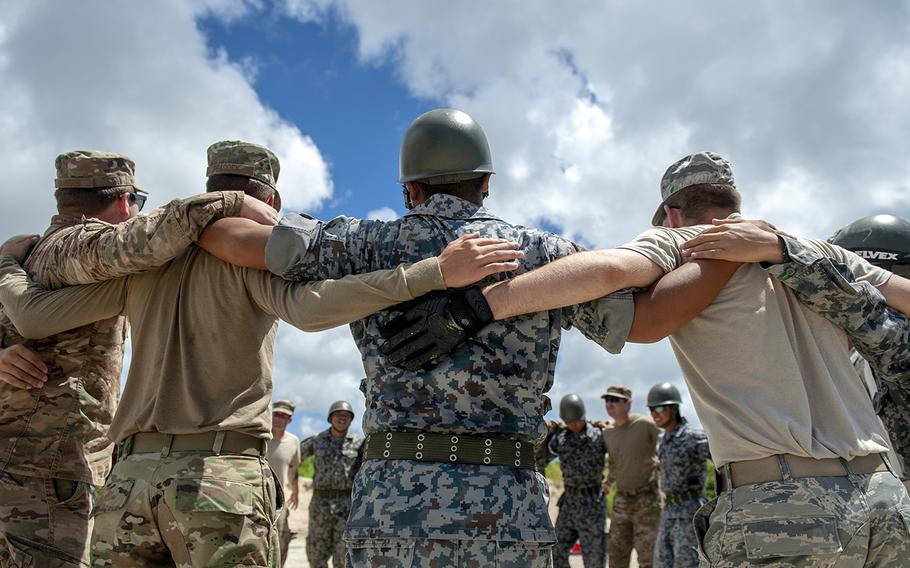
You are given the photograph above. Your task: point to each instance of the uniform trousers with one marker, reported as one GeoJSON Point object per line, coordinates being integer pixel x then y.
{"type": "Point", "coordinates": [634, 524]}
{"type": "Point", "coordinates": [860, 520]}
{"type": "Point", "coordinates": [433, 553]}
{"type": "Point", "coordinates": [187, 509]}
{"type": "Point", "coordinates": [44, 521]}
{"type": "Point", "coordinates": [582, 518]}
{"type": "Point", "coordinates": [325, 536]}
{"type": "Point", "coordinates": [677, 545]}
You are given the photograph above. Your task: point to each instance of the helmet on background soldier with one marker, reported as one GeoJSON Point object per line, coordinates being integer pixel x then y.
{"type": "Point", "coordinates": [883, 240]}
{"type": "Point", "coordinates": [443, 146]}
{"type": "Point", "coordinates": [340, 405]}
{"type": "Point", "coordinates": [571, 408]}
{"type": "Point", "coordinates": [663, 394]}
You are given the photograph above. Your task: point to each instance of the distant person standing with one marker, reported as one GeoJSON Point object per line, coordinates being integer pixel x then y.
{"type": "Point", "coordinates": [336, 458]}
{"type": "Point", "coordinates": [284, 459]}
{"type": "Point", "coordinates": [631, 441]}
{"type": "Point", "coordinates": [682, 452]}
{"type": "Point", "coordinates": [582, 508]}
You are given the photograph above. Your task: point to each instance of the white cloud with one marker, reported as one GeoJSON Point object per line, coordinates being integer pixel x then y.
{"type": "Point", "coordinates": [383, 214]}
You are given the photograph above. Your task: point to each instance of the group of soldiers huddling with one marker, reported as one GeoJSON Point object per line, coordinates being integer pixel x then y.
{"type": "Point", "coordinates": [457, 315]}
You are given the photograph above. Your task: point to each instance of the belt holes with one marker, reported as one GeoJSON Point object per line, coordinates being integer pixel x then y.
{"type": "Point", "coordinates": [386, 454]}
{"type": "Point", "coordinates": [486, 461]}
{"type": "Point", "coordinates": [419, 455]}
{"type": "Point", "coordinates": [453, 457]}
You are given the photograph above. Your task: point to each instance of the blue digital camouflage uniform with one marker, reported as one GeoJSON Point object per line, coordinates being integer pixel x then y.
{"type": "Point", "coordinates": [335, 462]}
{"type": "Point", "coordinates": [880, 333]}
{"type": "Point", "coordinates": [583, 507]}
{"type": "Point", "coordinates": [494, 383]}
{"type": "Point", "coordinates": [682, 454]}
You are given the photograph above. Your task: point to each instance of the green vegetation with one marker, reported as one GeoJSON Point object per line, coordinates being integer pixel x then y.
{"type": "Point", "coordinates": [306, 468]}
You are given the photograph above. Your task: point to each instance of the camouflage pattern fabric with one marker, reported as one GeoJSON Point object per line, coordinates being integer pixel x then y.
{"type": "Point", "coordinates": [694, 169]}
{"type": "Point", "coordinates": [44, 522]}
{"type": "Point", "coordinates": [59, 430]}
{"type": "Point", "coordinates": [682, 453]}
{"type": "Point", "coordinates": [634, 523]}
{"type": "Point", "coordinates": [582, 508]}
{"type": "Point", "coordinates": [495, 383]}
{"type": "Point", "coordinates": [542, 454]}
{"type": "Point", "coordinates": [285, 535]}
{"type": "Point", "coordinates": [881, 334]}
{"type": "Point", "coordinates": [187, 509]}
{"type": "Point", "coordinates": [88, 169]}
{"type": "Point", "coordinates": [409, 553]}
{"type": "Point", "coordinates": [325, 538]}
{"type": "Point", "coordinates": [243, 158]}
{"type": "Point", "coordinates": [335, 462]}
{"type": "Point", "coordinates": [810, 521]}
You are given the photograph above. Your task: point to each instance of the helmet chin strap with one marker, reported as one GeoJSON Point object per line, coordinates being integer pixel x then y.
{"type": "Point", "coordinates": [407, 197]}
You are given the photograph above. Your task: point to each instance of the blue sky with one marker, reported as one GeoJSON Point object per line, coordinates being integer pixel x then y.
{"type": "Point", "coordinates": [585, 104]}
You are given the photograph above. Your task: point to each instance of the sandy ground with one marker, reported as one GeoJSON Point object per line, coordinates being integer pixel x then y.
{"type": "Point", "coordinates": [299, 518]}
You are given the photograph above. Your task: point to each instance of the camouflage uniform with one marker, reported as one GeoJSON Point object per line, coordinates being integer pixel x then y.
{"type": "Point", "coordinates": [335, 462]}
{"type": "Point", "coordinates": [583, 507]}
{"type": "Point", "coordinates": [880, 333]}
{"type": "Point", "coordinates": [682, 454]}
{"type": "Point", "coordinates": [494, 383]}
{"type": "Point", "coordinates": [542, 454]}
{"type": "Point", "coordinates": [53, 449]}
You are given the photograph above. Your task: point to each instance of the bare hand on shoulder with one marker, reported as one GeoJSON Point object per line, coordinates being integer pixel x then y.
{"type": "Point", "coordinates": [736, 240]}
{"type": "Point", "coordinates": [258, 211]}
{"type": "Point", "coordinates": [19, 246]}
{"type": "Point", "coordinates": [471, 258]}
{"type": "Point", "coordinates": [21, 367]}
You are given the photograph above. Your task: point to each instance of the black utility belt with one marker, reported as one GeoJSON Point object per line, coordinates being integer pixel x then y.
{"type": "Point", "coordinates": [474, 449]}
{"type": "Point", "coordinates": [682, 496]}
{"type": "Point", "coordinates": [332, 492]}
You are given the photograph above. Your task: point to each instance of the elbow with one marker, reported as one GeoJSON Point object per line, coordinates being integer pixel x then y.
{"type": "Point", "coordinates": [648, 333]}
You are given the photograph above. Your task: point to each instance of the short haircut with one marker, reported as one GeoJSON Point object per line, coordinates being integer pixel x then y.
{"type": "Point", "coordinates": [74, 201]}
{"type": "Point", "coordinates": [465, 189]}
{"type": "Point", "coordinates": [233, 182]}
{"type": "Point", "coordinates": [696, 200]}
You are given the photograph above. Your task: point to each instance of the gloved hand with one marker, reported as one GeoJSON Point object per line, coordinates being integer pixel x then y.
{"type": "Point", "coordinates": [432, 326]}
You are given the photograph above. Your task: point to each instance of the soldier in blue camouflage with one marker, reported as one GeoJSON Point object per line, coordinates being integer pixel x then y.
{"type": "Point", "coordinates": [490, 391]}
{"type": "Point", "coordinates": [682, 451]}
{"type": "Point", "coordinates": [583, 507]}
{"type": "Point", "coordinates": [337, 455]}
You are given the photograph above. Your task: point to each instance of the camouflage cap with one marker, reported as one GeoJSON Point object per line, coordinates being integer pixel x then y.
{"type": "Point", "coordinates": [694, 169]}
{"type": "Point", "coordinates": [89, 169]}
{"type": "Point", "coordinates": [245, 159]}
{"type": "Point", "coordinates": [618, 391]}
{"type": "Point", "coordinates": [283, 407]}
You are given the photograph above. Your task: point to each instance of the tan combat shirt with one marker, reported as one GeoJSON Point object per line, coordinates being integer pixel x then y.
{"type": "Point", "coordinates": [203, 332]}
{"type": "Point", "coordinates": [284, 454]}
{"type": "Point", "coordinates": [767, 374]}
{"type": "Point", "coordinates": [60, 430]}
{"type": "Point", "coordinates": [632, 449]}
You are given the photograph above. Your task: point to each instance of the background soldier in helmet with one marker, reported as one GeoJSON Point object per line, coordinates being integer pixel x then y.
{"type": "Point", "coordinates": [582, 508]}
{"type": "Point", "coordinates": [193, 422]}
{"type": "Point", "coordinates": [337, 455]}
{"type": "Point", "coordinates": [682, 452]}
{"type": "Point", "coordinates": [631, 442]}
{"type": "Point", "coordinates": [284, 459]}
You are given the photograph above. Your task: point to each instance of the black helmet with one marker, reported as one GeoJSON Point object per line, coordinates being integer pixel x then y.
{"type": "Point", "coordinates": [571, 408]}
{"type": "Point", "coordinates": [883, 240]}
{"type": "Point", "coordinates": [664, 393]}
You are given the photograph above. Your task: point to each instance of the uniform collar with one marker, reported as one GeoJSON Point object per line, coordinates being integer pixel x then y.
{"type": "Point", "coordinates": [683, 425]}
{"type": "Point", "coordinates": [451, 207]}
{"type": "Point", "coordinates": [61, 221]}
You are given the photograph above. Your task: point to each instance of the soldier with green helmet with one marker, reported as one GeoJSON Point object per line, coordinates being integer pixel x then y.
{"type": "Point", "coordinates": [337, 454]}
{"type": "Point", "coordinates": [682, 452]}
{"type": "Point", "coordinates": [582, 507]}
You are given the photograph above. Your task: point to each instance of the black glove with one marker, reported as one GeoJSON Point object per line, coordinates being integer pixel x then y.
{"type": "Point", "coordinates": [431, 327]}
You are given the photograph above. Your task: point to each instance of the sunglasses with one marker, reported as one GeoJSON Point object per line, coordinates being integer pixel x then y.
{"type": "Point", "coordinates": [658, 409]}
{"type": "Point", "coordinates": [613, 399]}
{"type": "Point", "coordinates": [138, 198]}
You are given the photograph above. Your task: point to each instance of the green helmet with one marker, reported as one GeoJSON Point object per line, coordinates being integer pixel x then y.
{"type": "Point", "coordinates": [340, 405]}
{"type": "Point", "coordinates": [444, 145]}
{"type": "Point", "coordinates": [571, 408]}
{"type": "Point", "coordinates": [664, 393]}
{"type": "Point", "coordinates": [883, 240]}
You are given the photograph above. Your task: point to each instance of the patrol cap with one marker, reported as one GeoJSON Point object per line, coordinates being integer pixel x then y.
{"type": "Point", "coordinates": [694, 169]}
{"type": "Point", "coordinates": [618, 391]}
{"type": "Point", "coordinates": [442, 146]}
{"type": "Point", "coordinates": [90, 169]}
{"type": "Point", "coordinates": [283, 407]}
{"type": "Point", "coordinates": [236, 157]}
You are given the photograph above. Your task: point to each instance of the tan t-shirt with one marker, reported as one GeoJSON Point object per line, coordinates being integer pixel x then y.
{"type": "Point", "coordinates": [632, 450]}
{"type": "Point", "coordinates": [768, 375]}
{"type": "Point", "coordinates": [284, 454]}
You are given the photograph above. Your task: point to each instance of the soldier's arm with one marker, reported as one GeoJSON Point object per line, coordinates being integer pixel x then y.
{"type": "Point", "coordinates": [37, 312]}
{"type": "Point", "coordinates": [307, 448]}
{"type": "Point", "coordinates": [101, 251]}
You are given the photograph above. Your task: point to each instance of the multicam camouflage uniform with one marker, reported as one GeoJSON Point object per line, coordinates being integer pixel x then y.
{"type": "Point", "coordinates": [880, 333]}
{"type": "Point", "coordinates": [415, 513]}
{"type": "Point", "coordinates": [335, 463]}
{"type": "Point", "coordinates": [53, 449]}
{"type": "Point", "coordinates": [583, 507]}
{"type": "Point", "coordinates": [682, 454]}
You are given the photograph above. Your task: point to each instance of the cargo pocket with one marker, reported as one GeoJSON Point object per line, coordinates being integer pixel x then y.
{"type": "Point", "coordinates": [385, 552]}
{"type": "Point", "coordinates": [805, 536]}
{"type": "Point", "coordinates": [113, 496]}
{"type": "Point", "coordinates": [523, 554]}
{"type": "Point", "coordinates": [700, 522]}
{"type": "Point", "coordinates": [25, 553]}
{"type": "Point", "coordinates": [205, 495]}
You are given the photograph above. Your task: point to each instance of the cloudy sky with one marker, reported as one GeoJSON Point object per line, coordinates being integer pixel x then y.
{"type": "Point", "coordinates": [585, 104]}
